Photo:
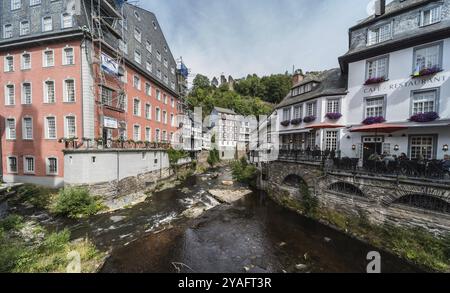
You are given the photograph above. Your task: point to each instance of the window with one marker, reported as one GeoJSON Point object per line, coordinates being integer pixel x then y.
{"type": "Point", "coordinates": [149, 66]}
{"type": "Point", "coordinates": [424, 102]}
{"type": "Point", "coordinates": [422, 147]}
{"type": "Point", "coordinates": [137, 82]}
{"type": "Point", "coordinates": [148, 89]}
{"type": "Point", "coordinates": [122, 102]}
{"type": "Point", "coordinates": [9, 64]}
{"type": "Point", "coordinates": [165, 99]}
{"type": "Point", "coordinates": [172, 120]}
{"type": "Point", "coordinates": [379, 34]}
{"type": "Point", "coordinates": [10, 95]}
{"type": "Point", "coordinates": [298, 111]}
{"type": "Point", "coordinates": [35, 2]}
{"type": "Point", "coordinates": [123, 46]}
{"type": "Point", "coordinates": [148, 111]}
{"type": "Point", "coordinates": [24, 27]}
{"type": "Point", "coordinates": [311, 109]}
{"type": "Point", "coordinates": [49, 92]}
{"type": "Point", "coordinates": [69, 91]}
{"type": "Point", "coordinates": [148, 46]}
{"type": "Point", "coordinates": [16, 4]}
{"type": "Point", "coordinates": [28, 165]}
{"type": "Point", "coordinates": [11, 128]}
{"type": "Point", "coordinates": [66, 20]}
{"type": "Point", "coordinates": [107, 96]}
{"type": "Point", "coordinates": [148, 134]}
{"type": "Point", "coordinates": [164, 117]}
{"type": "Point", "coordinates": [172, 70]}
{"type": "Point", "coordinates": [50, 127]}
{"type": "Point", "coordinates": [26, 61]}
{"type": "Point", "coordinates": [427, 58]}
{"type": "Point", "coordinates": [374, 107]}
{"type": "Point", "coordinates": [166, 63]}
{"type": "Point", "coordinates": [52, 166]}
{"type": "Point", "coordinates": [331, 140]}
{"type": "Point", "coordinates": [286, 114]}
{"type": "Point", "coordinates": [430, 16]}
{"type": "Point", "coordinates": [377, 68]}
{"type": "Point", "coordinates": [172, 102]}
{"type": "Point", "coordinates": [164, 135]}
{"type": "Point", "coordinates": [137, 107]}
{"type": "Point", "coordinates": [47, 24]}
{"type": "Point", "coordinates": [26, 93]}
{"type": "Point", "coordinates": [137, 133]}
{"type": "Point", "coordinates": [333, 106]}
{"type": "Point", "coordinates": [12, 165]}
{"type": "Point", "coordinates": [158, 55]}
{"type": "Point", "coordinates": [138, 17]}
{"type": "Point", "coordinates": [166, 79]}
{"type": "Point", "coordinates": [137, 56]}
{"type": "Point", "coordinates": [158, 73]}
{"type": "Point", "coordinates": [27, 128]}
{"type": "Point", "coordinates": [158, 95]}
{"type": "Point", "coordinates": [137, 35]}
{"type": "Point", "coordinates": [68, 56]}
{"type": "Point", "coordinates": [157, 135]}
{"type": "Point", "coordinates": [158, 114]}
{"type": "Point", "coordinates": [70, 127]}
{"type": "Point", "coordinates": [7, 31]}
{"type": "Point", "coordinates": [49, 59]}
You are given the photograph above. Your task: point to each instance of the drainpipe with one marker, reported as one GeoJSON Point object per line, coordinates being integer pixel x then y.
{"type": "Point", "coordinates": [118, 173]}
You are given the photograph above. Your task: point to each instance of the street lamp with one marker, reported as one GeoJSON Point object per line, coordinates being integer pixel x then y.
{"type": "Point", "coordinates": [354, 147]}
{"type": "Point", "coordinates": [445, 148]}
{"type": "Point", "coordinates": [396, 148]}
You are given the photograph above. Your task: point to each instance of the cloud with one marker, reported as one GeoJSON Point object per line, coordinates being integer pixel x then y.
{"type": "Point", "coordinates": [238, 37]}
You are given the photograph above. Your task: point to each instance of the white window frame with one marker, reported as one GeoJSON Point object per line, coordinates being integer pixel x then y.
{"type": "Point", "coordinates": [22, 61]}
{"type": "Point", "coordinates": [148, 134]}
{"type": "Point", "coordinates": [7, 94]}
{"type": "Point", "coordinates": [8, 31]}
{"type": "Point", "coordinates": [374, 35]}
{"type": "Point", "coordinates": [6, 66]}
{"type": "Point", "coordinates": [431, 10]}
{"type": "Point", "coordinates": [23, 99]}
{"type": "Point", "coordinates": [8, 167]}
{"type": "Point", "coordinates": [64, 55]}
{"type": "Point", "coordinates": [46, 95]}
{"type": "Point", "coordinates": [25, 165]}
{"type": "Point", "coordinates": [383, 105]}
{"type": "Point", "coordinates": [158, 114]}
{"type": "Point", "coordinates": [47, 166]}
{"type": "Point", "coordinates": [148, 46]}
{"type": "Point", "coordinates": [24, 130]}
{"type": "Point", "coordinates": [334, 105]}
{"type": "Point", "coordinates": [374, 66]}
{"type": "Point", "coordinates": [44, 30]}
{"type": "Point", "coordinates": [137, 102]}
{"type": "Point", "coordinates": [8, 129]}
{"type": "Point", "coordinates": [148, 88]}
{"type": "Point", "coordinates": [137, 56]}
{"type": "Point", "coordinates": [311, 109]}
{"type": "Point", "coordinates": [439, 46]}
{"type": "Point", "coordinates": [138, 79]}
{"type": "Point", "coordinates": [45, 60]}
{"type": "Point", "coordinates": [35, 2]}
{"type": "Point", "coordinates": [16, 4]}
{"type": "Point", "coordinates": [421, 103]}
{"type": "Point", "coordinates": [332, 140]}
{"type": "Point", "coordinates": [66, 126]}
{"type": "Point", "coordinates": [64, 18]}
{"type": "Point", "coordinates": [22, 27]}
{"type": "Point", "coordinates": [138, 34]}
{"type": "Point", "coordinates": [148, 111]}
{"type": "Point", "coordinates": [421, 146]}
{"type": "Point", "coordinates": [66, 93]}
{"type": "Point", "coordinates": [47, 129]}
{"type": "Point", "coordinates": [138, 137]}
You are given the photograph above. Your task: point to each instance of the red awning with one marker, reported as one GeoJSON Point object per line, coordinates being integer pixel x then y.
{"type": "Point", "coordinates": [379, 127]}
{"type": "Point", "coordinates": [324, 126]}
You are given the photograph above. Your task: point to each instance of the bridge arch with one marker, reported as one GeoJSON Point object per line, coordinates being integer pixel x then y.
{"type": "Point", "coordinates": [294, 180]}
{"type": "Point", "coordinates": [346, 188]}
{"type": "Point", "coordinates": [425, 202]}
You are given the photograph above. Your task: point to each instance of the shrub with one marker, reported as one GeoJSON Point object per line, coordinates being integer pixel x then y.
{"type": "Point", "coordinates": [213, 157]}
{"type": "Point", "coordinates": [244, 172]}
{"type": "Point", "coordinates": [12, 222]}
{"type": "Point", "coordinates": [309, 202]}
{"type": "Point", "coordinates": [76, 202]}
{"type": "Point", "coordinates": [37, 196]}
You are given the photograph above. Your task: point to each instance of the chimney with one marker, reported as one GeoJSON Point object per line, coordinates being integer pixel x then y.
{"type": "Point", "coordinates": [380, 7]}
{"type": "Point", "coordinates": [297, 77]}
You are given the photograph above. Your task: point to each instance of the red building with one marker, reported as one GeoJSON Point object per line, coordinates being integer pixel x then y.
{"type": "Point", "coordinates": [107, 76]}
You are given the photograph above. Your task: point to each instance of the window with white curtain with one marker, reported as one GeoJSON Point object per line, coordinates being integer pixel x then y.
{"type": "Point", "coordinates": [375, 107]}
{"type": "Point", "coordinates": [70, 127]}
{"type": "Point", "coordinates": [424, 102]}
{"type": "Point", "coordinates": [430, 16]}
{"type": "Point", "coordinates": [50, 126]}
{"type": "Point", "coordinates": [379, 34]}
{"type": "Point", "coordinates": [427, 57]}
{"type": "Point", "coordinates": [11, 128]}
{"type": "Point", "coordinates": [27, 128]}
{"type": "Point", "coordinates": [377, 68]}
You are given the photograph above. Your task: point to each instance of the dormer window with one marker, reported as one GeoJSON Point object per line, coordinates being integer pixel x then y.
{"type": "Point", "coordinates": [138, 17]}
{"type": "Point", "coordinates": [379, 34]}
{"type": "Point", "coordinates": [430, 16]}
{"type": "Point", "coordinates": [306, 88]}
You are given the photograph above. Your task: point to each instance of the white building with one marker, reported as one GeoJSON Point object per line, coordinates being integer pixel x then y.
{"type": "Point", "coordinates": [398, 67]}
{"type": "Point", "coordinates": [224, 125]}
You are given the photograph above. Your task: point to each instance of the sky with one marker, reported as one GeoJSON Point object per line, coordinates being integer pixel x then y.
{"type": "Point", "coordinates": [240, 37]}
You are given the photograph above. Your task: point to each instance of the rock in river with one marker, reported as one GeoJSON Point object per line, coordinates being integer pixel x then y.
{"type": "Point", "coordinates": [229, 196]}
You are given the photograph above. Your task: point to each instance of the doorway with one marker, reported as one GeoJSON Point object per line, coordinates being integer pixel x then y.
{"type": "Point", "coordinates": [372, 145]}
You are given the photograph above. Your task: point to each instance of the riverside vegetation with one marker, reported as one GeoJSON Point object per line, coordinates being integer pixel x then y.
{"type": "Point", "coordinates": [430, 252]}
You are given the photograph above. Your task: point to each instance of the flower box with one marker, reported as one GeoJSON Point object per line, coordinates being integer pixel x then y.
{"type": "Point", "coordinates": [375, 80]}
{"type": "Point", "coordinates": [424, 117]}
{"type": "Point", "coordinates": [427, 71]}
{"type": "Point", "coordinates": [309, 119]}
{"type": "Point", "coordinates": [286, 123]}
{"type": "Point", "coordinates": [373, 120]}
{"type": "Point", "coordinates": [333, 116]}
{"type": "Point", "coordinates": [297, 121]}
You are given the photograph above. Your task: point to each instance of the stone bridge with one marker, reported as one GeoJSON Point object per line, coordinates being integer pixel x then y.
{"type": "Point", "coordinates": [384, 200]}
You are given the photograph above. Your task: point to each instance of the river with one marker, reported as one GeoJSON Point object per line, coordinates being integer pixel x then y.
{"type": "Point", "coordinates": [253, 235]}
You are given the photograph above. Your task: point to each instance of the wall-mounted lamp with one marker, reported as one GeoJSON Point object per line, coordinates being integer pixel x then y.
{"type": "Point", "coordinates": [445, 148]}
{"type": "Point", "coordinates": [396, 148]}
{"type": "Point", "coordinates": [390, 135]}
{"type": "Point", "coordinates": [354, 147]}
{"type": "Point", "coordinates": [403, 135]}
{"type": "Point", "coordinates": [349, 137]}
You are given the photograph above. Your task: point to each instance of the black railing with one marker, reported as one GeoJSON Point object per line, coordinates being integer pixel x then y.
{"type": "Point", "coordinates": [332, 161]}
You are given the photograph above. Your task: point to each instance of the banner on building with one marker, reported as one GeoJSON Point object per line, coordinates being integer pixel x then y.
{"type": "Point", "coordinates": [109, 122]}
{"type": "Point", "coordinates": [109, 65]}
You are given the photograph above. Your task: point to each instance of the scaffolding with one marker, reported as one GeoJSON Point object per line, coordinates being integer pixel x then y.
{"type": "Point", "coordinates": [106, 31]}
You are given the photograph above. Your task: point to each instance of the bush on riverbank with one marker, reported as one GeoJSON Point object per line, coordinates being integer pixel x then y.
{"type": "Point", "coordinates": [37, 196]}
{"type": "Point", "coordinates": [213, 158]}
{"type": "Point", "coordinates": [75, 202]}
{"type": "Point", "coordinates": [29, 248]}
{"type": "Point", "coordinates": [243, 172]}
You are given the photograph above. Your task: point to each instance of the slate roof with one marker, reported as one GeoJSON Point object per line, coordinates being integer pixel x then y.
{"type": "Point", "coordinates": [331, 82]}
{"type": "Point", "coordinates": [224, 110]}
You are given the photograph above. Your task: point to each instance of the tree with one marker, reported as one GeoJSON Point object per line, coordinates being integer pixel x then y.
{"type": "Point", "coordinates": [201, 82]}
